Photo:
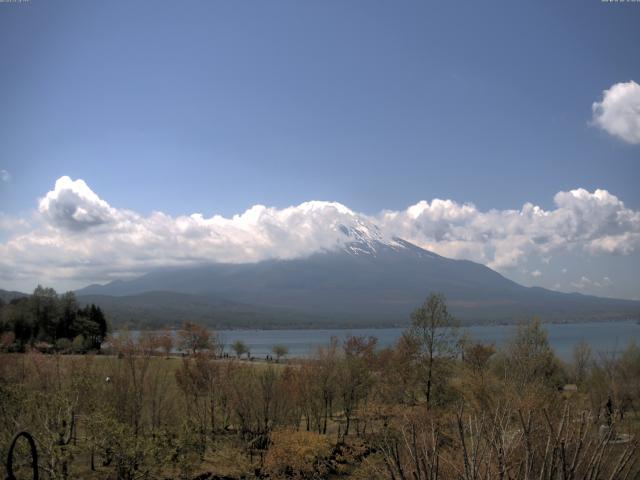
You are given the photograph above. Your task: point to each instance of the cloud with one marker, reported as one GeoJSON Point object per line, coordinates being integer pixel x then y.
{"type": "Point", "coordinates": [5, 176]}
{"type": "Point", "coordinates": [593, 222]}
{"type": "Point", "coordinates": [77, 237]}
{"type": "Point", "coordinates": [536, 273]}
{"type": "Point", "coordinates": [585, 283]}
{"type": "Point", "coordinates": [12, 224]}
{"type": "Point", "coordinates": [619, 111]}
{"type": "Point", "coordinates": [74, 206]}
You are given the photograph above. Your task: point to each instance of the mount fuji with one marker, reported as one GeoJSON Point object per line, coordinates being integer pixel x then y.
{"type": "Point", "coordinates": [367, 280]}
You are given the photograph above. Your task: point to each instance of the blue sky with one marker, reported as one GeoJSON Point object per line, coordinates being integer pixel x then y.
{"type": "Point", "coordinates": [213, 107]}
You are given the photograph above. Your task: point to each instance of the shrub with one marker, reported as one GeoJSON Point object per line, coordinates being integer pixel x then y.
{"type": "Point", "coordinates": [297, 454]}
{"type": "Point", "coordinates": [79, 344]}
{"type": "Point", "coordinates": [63, 345]}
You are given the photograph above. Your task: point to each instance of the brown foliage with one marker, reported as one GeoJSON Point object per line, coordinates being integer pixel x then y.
{"type": "Point", "coordinates": [296, 454]}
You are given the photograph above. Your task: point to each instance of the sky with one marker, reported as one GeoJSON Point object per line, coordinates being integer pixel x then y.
{"type": "Point", "coordinates": [140, 134]}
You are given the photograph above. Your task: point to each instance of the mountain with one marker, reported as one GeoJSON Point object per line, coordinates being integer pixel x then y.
{"type": "Point", "coordinates": [163, 308]}
{"type": "Point", "coordinates": [369, 280]}
{"type": "Point", "coordinates": [6, 296]}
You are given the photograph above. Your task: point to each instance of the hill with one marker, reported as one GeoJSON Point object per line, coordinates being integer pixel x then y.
{"type": "Point", "coordinates": [369, 281]}
{"type": "Point", "coordinates": [6, 296]}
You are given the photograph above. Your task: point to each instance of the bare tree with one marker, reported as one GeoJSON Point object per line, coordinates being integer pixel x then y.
{"type": "Point", "coordinates": [194, 337]}
{"type": "Point", "coordinates": [436, 331]}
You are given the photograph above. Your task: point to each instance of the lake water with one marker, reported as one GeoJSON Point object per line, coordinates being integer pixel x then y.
{"type": "Point", "coordinates": [601, 336]}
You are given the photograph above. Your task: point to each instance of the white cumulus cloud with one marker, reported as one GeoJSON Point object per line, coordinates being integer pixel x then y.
{"type": "Point", "coordinates": [73, 205]}
{"type": "Point", "coordinates": [594, 222]}
{"type": "Point", "coordinates": [618, 113]}
{"type": "Point", "coordinates": [585, 283]}
{"type": "Point", "coordinates": [78, 237]}
{"type": "Point", "coordinates": [12, 224]}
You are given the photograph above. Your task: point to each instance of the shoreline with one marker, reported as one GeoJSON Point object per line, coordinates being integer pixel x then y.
{"type": "Point", "coordinates": [303, 327]}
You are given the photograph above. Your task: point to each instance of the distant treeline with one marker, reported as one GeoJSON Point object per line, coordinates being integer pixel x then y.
{"type": "Point", "coordinates": [49, 321]}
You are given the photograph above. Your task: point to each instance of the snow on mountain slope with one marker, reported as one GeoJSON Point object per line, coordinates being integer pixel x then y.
{"type": "Point", "coordinates": [364, 238]}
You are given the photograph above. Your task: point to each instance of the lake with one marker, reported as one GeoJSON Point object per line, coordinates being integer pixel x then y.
{"type": "Point", "coordinates": [603, 337]}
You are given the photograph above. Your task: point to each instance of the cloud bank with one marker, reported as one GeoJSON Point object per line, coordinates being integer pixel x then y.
{"type": "Point", "coordinates": [79, 237]}
{"type": "Point", "coordinates": [619, 112]}
{"type": "Point", "coordinates": [595, 222]}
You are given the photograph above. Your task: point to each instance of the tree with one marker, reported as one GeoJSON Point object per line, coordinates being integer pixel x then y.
{"type": "Point", "coordinates": [530, 357]}
{"type": "Point", "coordinates": [17, 318]}
{"type": "Point", "coordinates": [165, 342]}
{"type": "Point", "coordinates": [64, 345]}
{"type": "Point", "coordinates": [79, 343]}
{"type": "Point", "coordinates": [97, 316]}
{"type": "Point", "coordinates": [47, 317]}
{"type": "Point", "coordinates": [582, 360]}
{"type": "Point", "coordinates": [355, 374]}
{"type": "Point", "coordinates": [44, 308]}
{"type": "Point", "coordinates": [91, 323]}
{"type": "Point", "coordinates": [240, 348]}
{"type": "Point", "coordinates": [401, 377]}
{"type": "Point", "coordinates": [279, 351]}
{"type": "Point", "coordinates": [198, 379]}
{"type": "Point", "coordinates": [436, 332]}
{"type": "Point", "coordinates": [318, 386]}
{"type": "Point", "coordinates": [193, 337]}
{"type": "Point", "coordinates": [477, 355]}
{"type": "Point", "coordinates": [68, 315]}
{"type": "Point", "coordinates": [626, 379]}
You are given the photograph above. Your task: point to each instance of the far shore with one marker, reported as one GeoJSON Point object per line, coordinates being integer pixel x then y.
{"type": "Point", "coordinates": [377, 326]}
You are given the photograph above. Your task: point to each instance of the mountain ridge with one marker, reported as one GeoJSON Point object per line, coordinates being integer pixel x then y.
{"type": "Point", "coordinates": [367, 281]}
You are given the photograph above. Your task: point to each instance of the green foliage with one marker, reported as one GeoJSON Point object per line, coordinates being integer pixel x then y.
{"type": "Point", "coordinates": [240, 348]}
{"type": "Point", "coordinates": [63, 345]}
{"type": "Point", "coordinates": [280, 351]}
{"type": "Point", "coordinates": [530, 357]}
{"type": "Point", "coordinates": [47, 317]}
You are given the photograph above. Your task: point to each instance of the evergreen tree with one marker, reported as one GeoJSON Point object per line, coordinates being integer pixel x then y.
{"type": "Point", "coordinates": [49, 317]}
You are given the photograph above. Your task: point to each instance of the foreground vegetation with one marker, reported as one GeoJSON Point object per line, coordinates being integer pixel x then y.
{"type": "Point", "coordinates": [434, 406]}
{"type": "Point", "coordinates": [50, 322]}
